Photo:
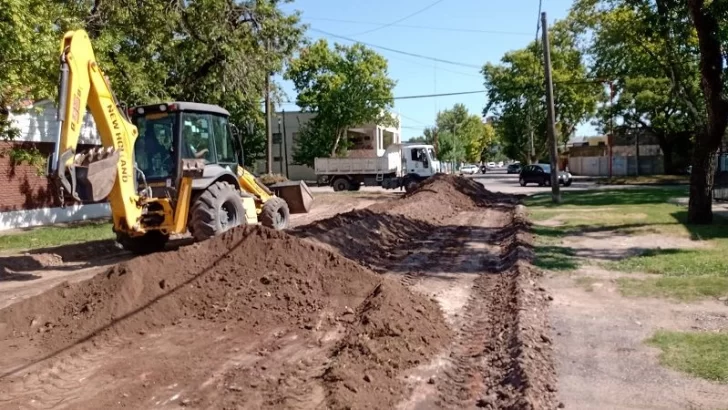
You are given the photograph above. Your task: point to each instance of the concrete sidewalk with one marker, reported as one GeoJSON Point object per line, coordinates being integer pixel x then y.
{"type": "Point", "coordinates": [719, 208]}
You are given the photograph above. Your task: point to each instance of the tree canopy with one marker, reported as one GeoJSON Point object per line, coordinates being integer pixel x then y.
{"type": "Point", "coordinates": [345, 86]}
{"type": "Point", "coordinates": [459, 136]}
{"type": "Point", "coordinates": [214, 51]}
{"type": "Point", "coordinates": [515, 89]}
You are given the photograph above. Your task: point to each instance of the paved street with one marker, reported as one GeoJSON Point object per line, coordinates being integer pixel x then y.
{"type": "Point", "coordinates": [496, 180]}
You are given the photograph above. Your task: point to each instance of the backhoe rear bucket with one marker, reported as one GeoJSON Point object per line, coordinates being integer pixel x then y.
{"type": "Point", "coordinates": [296, 194]}
{"type": "Point", "coordinates": [96, 174]}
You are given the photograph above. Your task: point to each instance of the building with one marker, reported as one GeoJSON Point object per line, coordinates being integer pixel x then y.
{"type": "Point", "coordinates": [26, 197]}
{"type": "Point", "coordinates": [370, 140]}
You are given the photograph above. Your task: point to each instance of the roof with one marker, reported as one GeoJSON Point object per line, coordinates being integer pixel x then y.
{"type": "Point", "coordinates": [193, 106]}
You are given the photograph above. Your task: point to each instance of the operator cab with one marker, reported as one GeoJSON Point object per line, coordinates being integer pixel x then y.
{"type": "Point", "coordinates": [173, 131]}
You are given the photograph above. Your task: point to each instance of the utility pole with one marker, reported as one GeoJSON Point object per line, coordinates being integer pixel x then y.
{"type": "Point", "coordinates": [268, 130]}
{"type": "Point", "coordinates": [285, 141]}
{"type": "Point", "coordinates": [551, 111]}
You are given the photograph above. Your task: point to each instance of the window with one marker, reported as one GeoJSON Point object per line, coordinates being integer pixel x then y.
{"type": "Point", "coordinates": [153, 147]}
{"type": "Point", "coordinates": [196, 136]}
{"type": "Point", "coordinates": [276, 137]}
{"type": "Point", "coordinates": [224, 143]}
{"type": "Point", "coordinates": [415, 154]}
{"type": "Point", "coordinates": [432, 154]}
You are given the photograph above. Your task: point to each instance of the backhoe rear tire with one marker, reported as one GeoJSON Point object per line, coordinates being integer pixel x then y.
{"type": "Point", "coordinates": [150, 242]}
{"type": "Point", "coordinates": [275, 214]}
{"type": "Point", "coordinates": [216, 210]}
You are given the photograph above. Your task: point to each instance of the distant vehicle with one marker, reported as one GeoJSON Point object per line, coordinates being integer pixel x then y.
{"type": "Point", "coordinates": [500, 164]}
{"type": "Point", "coordinates": [468, 169]}
{"type": "Point", "coordinates": [541, 174]}
{"type": "Point", "coordinates": [483, 169]}
{"type": "Point", "coordinates": [491, 165]}
{"type": "Point", "coordinates": [514, 168]}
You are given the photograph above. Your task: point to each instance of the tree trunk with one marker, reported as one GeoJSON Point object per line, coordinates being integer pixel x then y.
{"type": "Point", "coordinates": [336, 143]}
{"type": "Point", "coordinates": [700, 207]}
{"type": "Point", "coordinates": [707, 141]}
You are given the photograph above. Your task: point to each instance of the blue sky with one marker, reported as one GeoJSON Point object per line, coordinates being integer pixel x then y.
{"type": "Point", "coordinates": [471, 32]}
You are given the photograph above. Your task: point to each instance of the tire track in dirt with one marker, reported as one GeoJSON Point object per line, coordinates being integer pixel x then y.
{"type": "Point", "coordinates": [499, 357]}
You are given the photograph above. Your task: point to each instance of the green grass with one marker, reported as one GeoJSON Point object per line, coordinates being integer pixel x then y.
{"type": "Point", "coordinates": [647, 180]}
{"type": "Point", "coordinates": [703, 355]}
{"type": "Point", "coordinates": [52, 236]}
{"type": "Point", "coordinates": [688, 274]}
{"type": "Point", "coordinates": [684, 288]}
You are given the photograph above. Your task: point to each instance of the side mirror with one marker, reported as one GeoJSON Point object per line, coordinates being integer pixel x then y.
{"type": "Point", "coordinates": [235, 131]}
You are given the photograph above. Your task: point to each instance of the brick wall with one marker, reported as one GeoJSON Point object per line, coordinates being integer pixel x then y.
{"type": "Point", "coordinates": [22, 187]}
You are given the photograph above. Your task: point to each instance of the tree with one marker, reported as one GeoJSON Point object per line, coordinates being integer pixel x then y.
{"type": "Point", "coordinates": [649, 52]}
{"type": "Point", "coordinates": [29, 38]}
{"type": "Point", "coordinates": [214, 51]}
{"type": "Point", "coordinates": [451, 147]}
{"type": "Point", "coordinates": [345, 86]}
{"type": "Point", "coordinates": [515, 90]}
{"type": "Point", "coordinates": [712, 41]}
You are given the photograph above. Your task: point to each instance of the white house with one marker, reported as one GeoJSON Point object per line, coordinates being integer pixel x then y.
{"type": "Point", "coordinates": [370, 140]}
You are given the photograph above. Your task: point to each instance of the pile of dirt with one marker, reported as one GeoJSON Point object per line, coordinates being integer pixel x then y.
{"type": "Point", "coordinates": [371, 238]}
{"type": "Point", "coordinates": [439, 198]}
{"type": "Point", "coordinates": [384, 339]}
{"type": "Point", "coordinates": [250, 279]}
{"type": "Point", "coordinates": [378, 234]}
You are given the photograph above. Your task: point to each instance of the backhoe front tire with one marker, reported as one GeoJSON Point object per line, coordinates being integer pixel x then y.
{"type": "Point", "coordinates": [275, 214]}
{"type": "Point", "coordinates": [216, 210]}
{"type": "Point", "coordinates": [150, 242]}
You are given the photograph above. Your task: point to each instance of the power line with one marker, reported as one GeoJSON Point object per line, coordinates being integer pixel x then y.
{"type": "Point", "coordinates": [439, 60]}
{"type": "Point", "coordinates": [413, 97]}
{"type": "Point", "coordinates": [429, 6]}
{"type": "Point", "coordinates": [453, 29]}
{"type": "Point", "coordinates": [413, 119]}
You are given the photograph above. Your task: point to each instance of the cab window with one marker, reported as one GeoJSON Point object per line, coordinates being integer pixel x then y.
{"type": "Point", "coordinates": [153, 148]}
{"type": "Point", "coordinates": [224, 144]}
{"type": "Point", "coordinates": [197, 136]}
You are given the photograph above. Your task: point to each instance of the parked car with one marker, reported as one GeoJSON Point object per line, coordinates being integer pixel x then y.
{"type": "Point", "coordinates": [500, 164]}
{"type": "Point", "coordinates": [468, 169]}
{"type": "Point", "coordinates": [514, 168]}
{"type": "Point", "coordinates": [491, 165]}
{"type": "Point", "coordinates": [541, 174]}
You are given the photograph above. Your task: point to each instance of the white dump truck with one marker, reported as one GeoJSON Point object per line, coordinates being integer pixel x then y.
{"type": "Point", "coordinates": [401, 165]}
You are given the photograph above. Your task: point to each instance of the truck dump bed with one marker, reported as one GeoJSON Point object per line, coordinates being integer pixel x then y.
{"type": "Point", "coordinates": [388, 163]}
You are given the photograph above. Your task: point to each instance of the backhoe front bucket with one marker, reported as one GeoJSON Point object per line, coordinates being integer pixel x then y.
{"type": "Point", "coordinates": [296, 194]}
{"type": "Point", "coordinates": [96, 173]}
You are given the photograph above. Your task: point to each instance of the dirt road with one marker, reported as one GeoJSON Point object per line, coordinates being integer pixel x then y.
{"type": "Point", "coordinates": [422, 301]}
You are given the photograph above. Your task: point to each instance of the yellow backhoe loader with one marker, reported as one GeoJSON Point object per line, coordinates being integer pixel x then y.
{"type": "Point", "coordinates": [165, 168]}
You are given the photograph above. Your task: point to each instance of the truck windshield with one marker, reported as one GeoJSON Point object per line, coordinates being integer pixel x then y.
{"type": "Point", "coordinates": [432, 154]}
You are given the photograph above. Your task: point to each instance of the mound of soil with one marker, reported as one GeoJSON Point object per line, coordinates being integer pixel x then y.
{"type": "Point", "coordinates": [383, 339]}
{"type": "Point", "coordinates": [439, 198]}
{"type": "Point", "coordinates": [250, 280]}
{"type": "Point", "coordinates": [371, 238]}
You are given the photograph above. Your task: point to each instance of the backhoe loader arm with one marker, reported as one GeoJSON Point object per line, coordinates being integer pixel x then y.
{"type": "Point", "coordinates": [102, 173]}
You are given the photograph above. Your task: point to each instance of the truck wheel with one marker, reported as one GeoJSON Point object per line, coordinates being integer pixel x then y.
{"type": "Point", "coordinates": [216, 210]}
{"type": "Point", "coordinates": [410, 185]}
{"type": "Point", "coordinates": [341, 184]}
{"type": "Point", "coordinates": [150, 242]}
{"type": "Point", "coordinates": [275, 214]}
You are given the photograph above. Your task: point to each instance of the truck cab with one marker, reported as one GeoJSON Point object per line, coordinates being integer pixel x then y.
{"type": "Point", "coordinates": [419, 161]}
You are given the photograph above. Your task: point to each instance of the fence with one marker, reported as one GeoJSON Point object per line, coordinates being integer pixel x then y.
{"type": "Point", "coordinates": [621, 165]}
